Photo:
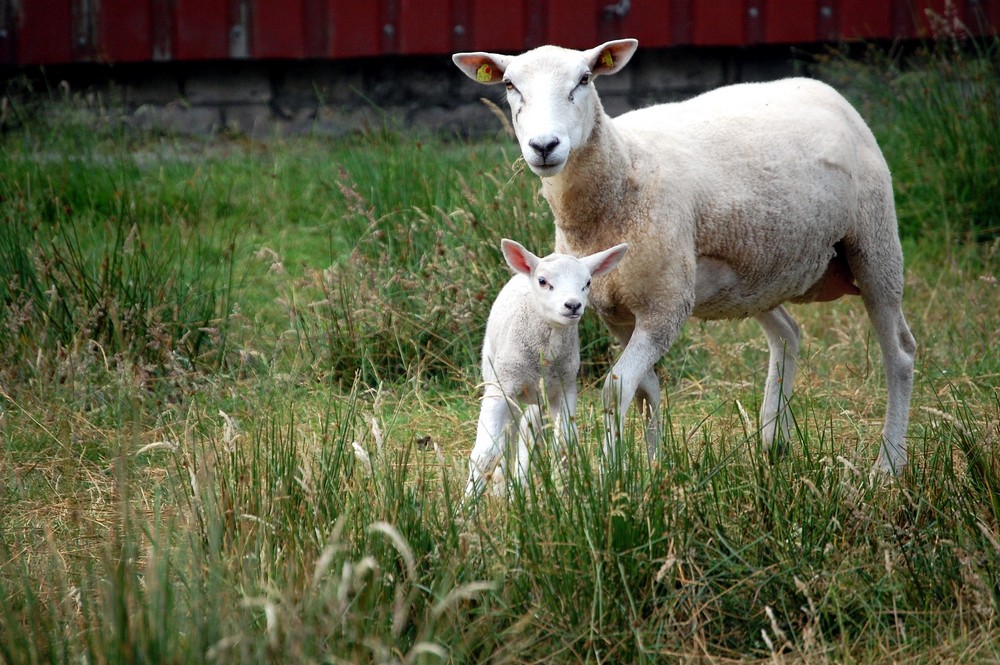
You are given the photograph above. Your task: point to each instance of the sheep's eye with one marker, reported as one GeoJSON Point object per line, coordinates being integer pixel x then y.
{"type": "Point", "coordinates": [542, 282]}
{"type": "Point", "coordinates": [585, 79]}
{"type": "Point", "coordinates": [587, 285]}
{"type": "Point", "coordinates": [508, 84]}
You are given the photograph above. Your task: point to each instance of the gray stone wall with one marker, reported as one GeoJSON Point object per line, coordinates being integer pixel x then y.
{"type": "Point", "coordinates": [335, 98]}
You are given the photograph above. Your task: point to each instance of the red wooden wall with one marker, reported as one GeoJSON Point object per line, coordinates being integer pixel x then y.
{"type": "Point", "coordinates": [63, 31]}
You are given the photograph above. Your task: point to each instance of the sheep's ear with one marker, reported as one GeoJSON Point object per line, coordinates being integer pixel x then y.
{"type": "Point", "coordinates": [482, 67]}
{"type": "Point", "coordinates": [518, 258]}
{"type": "Point", "coordinates": [605, 261]}
{"type": "Point", "coordinates": [610, 57]}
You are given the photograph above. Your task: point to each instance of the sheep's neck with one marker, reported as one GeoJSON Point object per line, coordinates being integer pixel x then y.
{"type": "Point", "coordinates": [592, 189]}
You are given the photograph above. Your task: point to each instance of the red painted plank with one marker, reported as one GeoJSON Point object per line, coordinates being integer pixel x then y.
{"type": "Point", "coordinates": [125, 31]}
{"type": "Point", "coordinates": [826, 20]}
{"type": "Point", "coordinates": [649, 22]}
{"type": "Point", "coordinates": [987, 19]}
{"type": "Point", "coordinates": [498, 26]}
{"type": "Point", "coordinates": [424, 27]}
{"type": "Point", "coordinates": [46, 32]}
{"type": "Point", "coordinates": [201, 30]}
{"type": "Point", "coordinates": [462, 36]}
{"type": "Point", "coordinates": [789, 21]}
{"type": "Point", "coordinates": [278, 30]}
{"type": "Point", "coordinates": [8, 55]}
{"type": "Point", "coordinates": [861, 19]}
{"type": "Point", "coordinates": [316, 28]}
{"type": "Point", "coordinates": [162, 30]}
{"type": "Point", "coordinates": [535, 19]}
{"type": "Point", "coordinates": [572, 23]}
{"type": "Point", "coordinates": [355, 29]}
{"type": "Point", "coordinates": [681, 22]}
{"type": "Point", "coordinates": [62, 31]}
{"type": "Point", "coordinates": [983, 14]}
{"type": "Point", "coordinates": [718, 22]}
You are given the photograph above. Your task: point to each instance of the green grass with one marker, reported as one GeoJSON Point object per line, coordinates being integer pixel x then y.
{"type": "Point", "coordinates": [200, 342]}
{"type": "Point", "coordinates": [934, 111]}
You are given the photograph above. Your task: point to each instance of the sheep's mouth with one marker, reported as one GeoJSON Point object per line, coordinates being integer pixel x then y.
{"type": "Point", "coordinates": [547, 168]}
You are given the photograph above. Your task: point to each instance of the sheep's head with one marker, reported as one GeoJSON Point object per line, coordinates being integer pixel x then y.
{"type": "Point", "coordinates": [551, 95]}
{"type": "Point", "coordinates": [560, 284]}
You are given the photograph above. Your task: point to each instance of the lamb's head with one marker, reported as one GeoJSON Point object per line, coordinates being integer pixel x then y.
{"type": "Point", "coordinates": [551, 95]}
{"type": "Point", "coordinates": [560, 284]}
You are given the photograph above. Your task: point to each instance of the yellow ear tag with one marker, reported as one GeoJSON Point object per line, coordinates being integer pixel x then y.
{"type": "Point", "coordinates": [607, 60]}
{"type": "Point", "coordinates": [484, 73]}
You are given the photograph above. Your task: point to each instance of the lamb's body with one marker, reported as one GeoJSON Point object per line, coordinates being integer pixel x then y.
{"type": "Point", "coordinates": [519, 352]}
{"type": "Point", "coordinates": [532, 344]}
{"type": "Point", "coordinates": [732, 203]}
{"type": "Point", "coordinates": [521, 356]}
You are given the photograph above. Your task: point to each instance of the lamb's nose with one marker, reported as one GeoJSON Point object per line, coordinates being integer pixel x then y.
{"type": "Point", "coordinates": [544, 145]}
{"type": "Point", "coordinates": [573, 306]}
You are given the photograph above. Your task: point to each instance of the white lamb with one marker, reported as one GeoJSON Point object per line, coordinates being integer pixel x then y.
{"type": "Point", "coordinates": [532, 345]}
{"type": "Point", "coordinates": [732, 203]}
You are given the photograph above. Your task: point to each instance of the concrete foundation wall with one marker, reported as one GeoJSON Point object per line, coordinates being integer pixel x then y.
{"type": "Point", "coordinates": [334, 98]}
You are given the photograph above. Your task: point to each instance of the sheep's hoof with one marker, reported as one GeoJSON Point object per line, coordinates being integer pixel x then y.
{"type": "Point", "coordinates": [777, 450]}
{"type": "Point", "coordinates": [884, 469]}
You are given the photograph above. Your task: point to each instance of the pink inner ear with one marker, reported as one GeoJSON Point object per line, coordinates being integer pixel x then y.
{"type": "Point", "coordinates": [519, 260]}
{"type": "Point", "coordinates": [609, 262]}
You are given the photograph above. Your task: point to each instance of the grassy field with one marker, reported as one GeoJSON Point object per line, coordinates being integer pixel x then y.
{"type": "Point", "coordinates": [238, 391]}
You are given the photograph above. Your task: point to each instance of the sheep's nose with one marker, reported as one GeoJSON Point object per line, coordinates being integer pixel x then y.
{"type": "Point", "coordinates": [544, 145]}
{"type": "Point", "coordinates": [573, 306]}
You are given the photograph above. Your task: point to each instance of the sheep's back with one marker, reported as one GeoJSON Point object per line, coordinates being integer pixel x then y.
{"type": "Point", "coordinates": [774, 174]}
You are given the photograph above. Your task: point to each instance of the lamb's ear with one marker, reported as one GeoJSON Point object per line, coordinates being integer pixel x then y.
{"type": "Point", "coordinates": [482, 67]}
{"type": "Point", "coordinates": [610, 57]}
{"type": "Point", "coordinates": [518, 258]}
{"type": "Point", "coordinates": [605, 261]}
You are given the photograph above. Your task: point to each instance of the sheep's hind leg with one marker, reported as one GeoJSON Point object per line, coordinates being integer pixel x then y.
{"type": "Point", "coordinates": [495, 416]}
{"type": "Point", "coordinates": [883, 301]}
{"type": "Point", "coordinates": [782, 335]}
{"type": "Point", "coordinates": [879, 272]}
{"type": "Point", "coordinates": [898, 349]}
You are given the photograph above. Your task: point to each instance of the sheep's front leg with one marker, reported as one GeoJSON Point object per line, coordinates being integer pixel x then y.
{"type": "Point", "coordinates": [633, 370]}
{"type": "Point", "coordinates": [495, 416]}
{"type": "Point", "coordinates": [782, 335]}
{"type": "Point", "coordinates": [648, 394]}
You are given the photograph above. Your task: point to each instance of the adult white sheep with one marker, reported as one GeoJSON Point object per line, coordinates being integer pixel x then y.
{"type": "Point", "coordinates": [732, 203]}
{"type": "Point", "coordinates": [532, 344]}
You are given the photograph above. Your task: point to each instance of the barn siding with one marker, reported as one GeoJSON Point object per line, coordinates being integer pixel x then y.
{"type": "Point", "coordinates": [38, 32]}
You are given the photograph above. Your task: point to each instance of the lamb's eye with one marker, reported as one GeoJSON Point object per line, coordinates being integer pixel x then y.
{"type": "Point", "coordinates": [585, 79]}
{"type": "Point", "coordinates": [587, 285]}
{"type": "Point", "coordinates": [542, 282]}
{"type": "Point", "coordinates": [509, 85]}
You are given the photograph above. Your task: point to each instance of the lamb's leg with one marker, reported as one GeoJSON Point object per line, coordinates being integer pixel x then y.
{"type": "Point", "coordinates": [528, 430]}
{"type": "Point", "coordinates": [633, 369]}
{"type": "Point", "coordinates": [562, 410]}
{"type": "Point", "coordinates": [782, 335]}
{"type": "Point", "coordinates": [495, 415]}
